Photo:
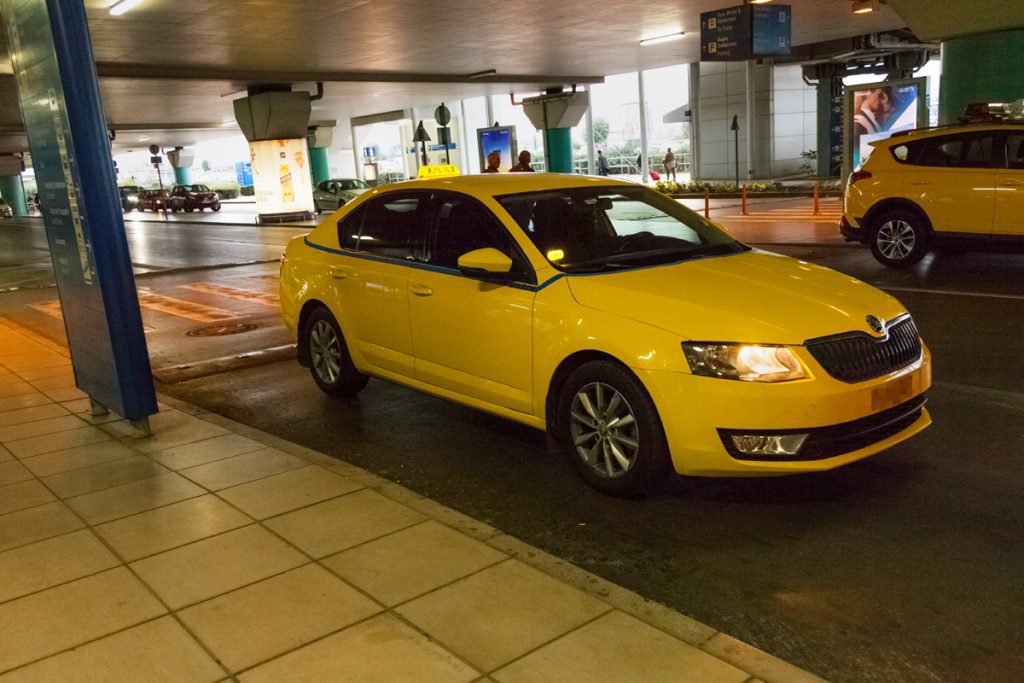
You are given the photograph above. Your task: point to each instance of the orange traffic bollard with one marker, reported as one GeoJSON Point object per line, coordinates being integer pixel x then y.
{"type": "Point", "coordinates": [743, 209]}
{"type": "Point", "coordinates": [707, 203]}
{"type": "Point", "coordinates": [815, 197]}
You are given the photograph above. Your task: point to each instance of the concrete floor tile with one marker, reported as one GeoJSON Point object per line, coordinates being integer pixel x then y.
{"type": "Point", "coordinates": [381, 650]}
{"type": "Point", "coordinates": [5, 455]}
{"type": "Point", "coordinates": [193, 431]}
{"type": "Point", "coordinates": [103, 476]}
{"type": "Point", "coordinates": [16, 389]}
{"type": "Point", "coordinates": [76, 458]}
{"type": "Point", "coordinates": [242, 468]}
{"type": "Point", "coordinates": [31, 414]}
{"type": "Point", "coordinates": [36, 523]}
{"type": "Point", "coordinates": [59, 370]}
{"type": "Point", "coordinates": [640, 653]}
{"type": "Point", "coordinates": [501, 613]}
{"type": "Point", "coordinates": [343, 522]}
{"type": "Point", "coordinates": [138, 496]}
{"type": "Point", "coordinates": [45, 623]}
{"type": "Point", "coordinates": [755, 661]}
{"type": "Point", "coordinates": [158, 650]}
{"type": "Point", "coordinates": [24, 494]}
{"type": "Point", "coordinates": [53, 383]}
{"type": "Point", "coordinates": [155, 531]}
{"type": "Point", "coordinates": [411, 562]}
{"type": "Point", "coordinates": [26, 430]}
{"type": "Point", "coordinates": [208, 450]}
{"type": "Point", "coordinates": [288, 491]}
{"type": "Point", "coordinates": [216, 565]}
{"type": "Point", "coordinates": [43, 564]}
{"type": "Point", "coordinates": [24, 401]}
{"type": "Point", "coordinates": [276, 615]}
{"type": "Point", "coordinates": [48, 443]}
{"type": "Point", "coordinates": [65, 394]}
{"type": "Point", "coordinates": [12, 472]}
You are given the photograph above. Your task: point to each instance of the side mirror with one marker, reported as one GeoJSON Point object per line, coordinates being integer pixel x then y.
{"type": "Point", "coordinates": [488, 264]}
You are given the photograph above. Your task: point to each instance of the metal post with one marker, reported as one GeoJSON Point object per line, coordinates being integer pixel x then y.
{"type": "Point", "coordinates": [743, 209]}
{"type": "Point", "coordinates": [707, 203]}
{"type": "Point", "coordinates": [815, 197]}
{"type": "Point", "coordinates": [645, 163]}
{"type": "Point", "coordinates": [591, 162]}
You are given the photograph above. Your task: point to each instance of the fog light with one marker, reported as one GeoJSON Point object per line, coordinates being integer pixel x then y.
{"type": "Point", "coordinates": [768, 444]}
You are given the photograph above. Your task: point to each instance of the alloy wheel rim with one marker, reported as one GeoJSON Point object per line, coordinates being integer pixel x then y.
{"type": "Point", "coordinates": [603, 429]}
{"type": "Point", "coordinates": [896, 240]}
{"type": "Point", "coordinates": [325, 351]}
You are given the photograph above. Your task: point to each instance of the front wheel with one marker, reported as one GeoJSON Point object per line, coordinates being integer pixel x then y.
{"type": "Point", "coordinates": [610, 430]}
{"type": "Point", "coordinates": [215, 207]}
{"type": "Point", "coordinates": [900, 240]}
{"type": "Point", "coordinates": [329, 359]}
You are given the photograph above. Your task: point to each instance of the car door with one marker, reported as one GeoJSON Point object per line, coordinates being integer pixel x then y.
{"type": "Point", "coordinates": [372, 279]}
{"type": "Point", "coordinates": [472, 336]}
{"type": "Point", "coordinates": [951, 177]}
{"type": "Point", "coordinates": [1009, 218]}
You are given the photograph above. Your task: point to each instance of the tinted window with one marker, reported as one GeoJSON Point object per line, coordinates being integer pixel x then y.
{"type": "Point", "coordinates": [944, 151]}
{"type": "Point", "coordinates": [463, 226]}
{"type": "Point", "coordinates": [978, 152]}
{"type": "Point", "coordinates": [348, 228]}
{"type": "Point", "coordinates": [1015, 150]}
{"type": "Point", "coordinates": [392, 226]}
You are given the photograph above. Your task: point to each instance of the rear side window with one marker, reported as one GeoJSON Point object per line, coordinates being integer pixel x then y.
{"type": "Point", "coordinates": [393, 225]}
{"type": "Point", "coordinates": [1015, 150]}
{"type": "Point", "coordinates": [943, 151]}
{"type": "Point", "coordinates": [348, 228]}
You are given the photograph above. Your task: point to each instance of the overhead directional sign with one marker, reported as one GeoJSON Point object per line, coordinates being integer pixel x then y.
{"type": "Point", "coordinates": [745, 31]}
{"type": "Point", "coordinates": [59, 95]}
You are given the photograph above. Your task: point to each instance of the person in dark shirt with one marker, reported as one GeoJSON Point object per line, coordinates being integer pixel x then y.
{"type": "Point", "coordinates": [602, 163]}
{"type": "Point", "coordinates": [524, 164]}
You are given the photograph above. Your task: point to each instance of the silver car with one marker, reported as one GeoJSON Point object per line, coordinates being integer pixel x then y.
{"type": "Point", "coordinates": [332, 194]}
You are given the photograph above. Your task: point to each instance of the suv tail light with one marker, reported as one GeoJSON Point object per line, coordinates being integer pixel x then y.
{"type": "Point", "coordinates": [859, 175]}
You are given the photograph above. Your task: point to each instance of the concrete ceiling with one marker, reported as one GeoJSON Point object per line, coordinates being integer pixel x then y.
{"type": "Point", "coordinates": [942, 19]}
{"type": "Point", "coordinates": [176, 65]}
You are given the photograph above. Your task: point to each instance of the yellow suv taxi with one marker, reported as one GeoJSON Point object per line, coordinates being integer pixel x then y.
{"type": "Point", "coordinates": [641, 336]}
{"type": "Point", "coordinates": [953, 184]}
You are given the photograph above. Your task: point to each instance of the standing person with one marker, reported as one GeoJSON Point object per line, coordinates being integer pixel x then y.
{"type": "Point", "coordinates": [602, 163]}
{"type": "Point", "coordinates": [524, 164]}
{"type": "Point", "coordinates": [640, 166]}
{"type": "Point", "coordinates": [669, 163]}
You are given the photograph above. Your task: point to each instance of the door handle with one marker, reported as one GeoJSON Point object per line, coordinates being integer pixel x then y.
{"type": "Point", "coordinates": [421, 290]}
{"type": "Point", "coordinates": [338, 273]}
{"type": "Point", "coordinates": [920, 182]}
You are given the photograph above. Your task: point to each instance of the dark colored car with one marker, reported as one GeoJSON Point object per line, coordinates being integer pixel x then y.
{"type": "Point", "coordinates": [155, 200]}
{"type": "Point", "coordinates": [196, 197]}
{"type": "Point", "coordinates": [129, 196]}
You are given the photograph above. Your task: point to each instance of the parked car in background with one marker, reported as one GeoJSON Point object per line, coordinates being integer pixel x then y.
{"type": "Point", "coordinates": [129, 196]}
{"type": "Point", "coordinates": [196, 198]}
{"type": "Point", "coordinates": [952, 186]}
{"type": "Point", "coordinates": [335, 193]}
{"type": "Point", "coordinates": [155, 200]}
{"type": "Point", "coordinates": [5, 209]}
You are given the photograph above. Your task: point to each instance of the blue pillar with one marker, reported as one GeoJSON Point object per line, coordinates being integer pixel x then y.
{"type": "Point", "coordinates": [182, 175]}
{"type": "Point", "coordinates": [559, 149]}
{"type": "Point", "coordinates": [13, 192]}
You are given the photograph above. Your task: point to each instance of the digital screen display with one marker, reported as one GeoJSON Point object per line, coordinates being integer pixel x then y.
{"type": "Point", "coordinates": [877, 111]}
{"type": "Point", "coordinates": [497, 149]}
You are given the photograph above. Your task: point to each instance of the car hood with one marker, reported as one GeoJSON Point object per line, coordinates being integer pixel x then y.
{"type": "Point", "coordinates": [754, 297]}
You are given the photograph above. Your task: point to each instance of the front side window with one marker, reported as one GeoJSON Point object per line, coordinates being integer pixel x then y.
{"type": "Point", "coordinates": [393, 225]}
{"type": "Point", "coordinates": [592, 229]}
{"type": "Point", "coordinates": [941, 151]}
{"type": "Point", "coordinates": [462, 226]}
{"type": "Point", "coordinates": [1015, 150]}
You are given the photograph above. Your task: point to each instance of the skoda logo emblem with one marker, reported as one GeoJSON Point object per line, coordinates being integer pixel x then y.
{"type": "Point", "coordinates": [875, 324]}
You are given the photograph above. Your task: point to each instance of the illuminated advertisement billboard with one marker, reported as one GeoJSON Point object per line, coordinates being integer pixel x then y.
{"type": "Point", "coordinates": [498, 149]}
{"type": "Point", "coordinates": [876, 111]}
{"type": "Point", "coordinates": [281, 180]}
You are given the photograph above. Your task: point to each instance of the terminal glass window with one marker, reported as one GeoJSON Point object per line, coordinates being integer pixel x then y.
{"type": "Point", "coordinates": [616, 112]}
{"type": "Point", "coordinates": [392, 226]}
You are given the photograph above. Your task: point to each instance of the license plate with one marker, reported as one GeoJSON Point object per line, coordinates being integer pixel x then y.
{"type": "Point", "coordinates": [893, 393]}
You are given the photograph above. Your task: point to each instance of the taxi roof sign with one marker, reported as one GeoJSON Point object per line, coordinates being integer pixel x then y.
{"type": "Point", "coordinates": [438, 171]}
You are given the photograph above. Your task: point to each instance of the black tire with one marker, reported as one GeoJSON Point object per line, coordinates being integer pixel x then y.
{"type": "Point", "coordinates": [625, 461]}
{"type": "Point", "coordinates": [215, 207]}
{"type": "Point", "coordinates": [329, 359]}
{"type": "Point", "coordinates": [900, 238]}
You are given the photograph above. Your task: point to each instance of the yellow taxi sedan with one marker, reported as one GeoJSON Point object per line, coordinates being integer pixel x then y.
{"type": "Point", "coordinates": [642, 337]}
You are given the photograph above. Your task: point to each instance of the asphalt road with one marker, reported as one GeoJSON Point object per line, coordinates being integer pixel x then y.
{"type": "Point", "coordinates": [903, 567]}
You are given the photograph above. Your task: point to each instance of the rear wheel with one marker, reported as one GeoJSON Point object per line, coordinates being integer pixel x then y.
{"type": "Point", "coordinates": [215, 207]}
{"type": "Point", "coordinates": [610, 430]}
{"type": "Point", "coordinates": [900, 239]}
{"type": "Point", "coordinates": [329, 359]}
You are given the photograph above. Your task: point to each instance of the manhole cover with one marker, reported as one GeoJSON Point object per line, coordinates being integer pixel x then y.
{"type": "Point", "coordinates": [222, 330]}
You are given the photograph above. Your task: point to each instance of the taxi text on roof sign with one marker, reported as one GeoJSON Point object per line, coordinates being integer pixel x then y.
{"type": "Point", "coordinates": [438, 171]}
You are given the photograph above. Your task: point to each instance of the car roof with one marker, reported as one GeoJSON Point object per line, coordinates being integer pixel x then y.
{"type": "Point", "coordinates": [496, 184]}
{"type": "Point", "coordinates": [954, 129]}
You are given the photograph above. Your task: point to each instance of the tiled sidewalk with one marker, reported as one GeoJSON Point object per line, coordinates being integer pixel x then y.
{"type": "Point", "coordinates": [211, 551]}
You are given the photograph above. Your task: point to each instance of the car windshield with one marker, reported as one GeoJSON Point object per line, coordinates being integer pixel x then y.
{"type": "Point", "coordinates": [352, 184]}
{"type": "Point", "coordinates": [593, 229]}
{"type": "Point", "coordinates": [196, 188]}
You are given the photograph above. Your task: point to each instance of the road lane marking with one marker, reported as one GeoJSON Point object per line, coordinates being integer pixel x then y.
{"type": "Point", "coordinates": [918, 290]}
{"type": "Point", "coordinates": [53, 309]}
{"type": "Point", "coordinates": [182, 308]}
{"type": "Point", "coordinates": [250, 295]}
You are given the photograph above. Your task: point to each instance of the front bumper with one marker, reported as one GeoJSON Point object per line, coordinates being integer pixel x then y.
{"type": "Point", "coordinates": [847, 420]}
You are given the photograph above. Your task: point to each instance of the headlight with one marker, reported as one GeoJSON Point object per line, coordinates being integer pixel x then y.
{"type": "Point", "coordinates": [746, 362]}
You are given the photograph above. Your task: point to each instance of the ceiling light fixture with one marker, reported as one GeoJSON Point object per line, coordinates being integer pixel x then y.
{"type": "Point", "coordinates": [123, 6]}
{"type": "Point", "coordinates": [862, 6]}
{"type": "Point", "coordinates": [662, 39]}
{"type": "Point", "coordinates": [482, 74]}
{"type": "Point", "coordinates": [758, 2]}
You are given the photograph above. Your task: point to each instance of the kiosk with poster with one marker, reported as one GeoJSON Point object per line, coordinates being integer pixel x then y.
{"type": "Point", "coordinates": [874, 111]}
{"type": "Point", "coordinates": [498, 149]}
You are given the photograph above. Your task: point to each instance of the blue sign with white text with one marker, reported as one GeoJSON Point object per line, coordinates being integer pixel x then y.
{"type": "Point", "coordinates": [243, 172]}
{"type": "Point", "coordinates": [59, 95]}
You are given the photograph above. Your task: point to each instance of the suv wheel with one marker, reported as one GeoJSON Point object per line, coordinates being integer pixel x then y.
{"type": "Point", "coordinates": [329, 359]}
{"type": "Point", "coordinates": [610, 430]}
{"type": "Point", "coordinates": [900, 239]}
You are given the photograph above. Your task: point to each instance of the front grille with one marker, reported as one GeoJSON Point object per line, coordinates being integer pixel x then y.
{"type": "Point", "coordinates": [857, 356]}
{"type": "Point", "coordinates": [827, 442]}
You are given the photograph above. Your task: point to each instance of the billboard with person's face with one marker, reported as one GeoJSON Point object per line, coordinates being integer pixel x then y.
{"type": "Point", "coordinates": [876, 111]}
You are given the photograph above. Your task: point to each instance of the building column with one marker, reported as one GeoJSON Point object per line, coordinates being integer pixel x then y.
{"type": "Point", "coordinates": [13, 192]}
{"type": "Point", "coordinates": [559, 149]}
{"type": "Point", "coordinates": [556, 112]}
{"type": "Point", "coordinates": [980, 68]}
{"type": "Point", "coordinates": [181, 161]}
{"type": "Point", "coordinates": [182, 175]}
{"type": "Point", "coordinates": [645, 162]}
{"type": "Point", "coordinates": [319, 164]}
